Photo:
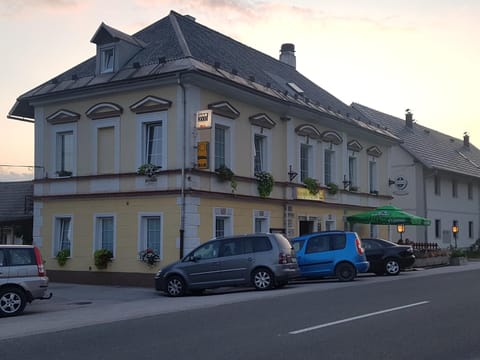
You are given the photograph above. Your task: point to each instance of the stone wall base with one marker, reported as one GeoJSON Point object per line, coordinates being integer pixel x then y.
{"type": "Point", "coordinates": [102, 278]}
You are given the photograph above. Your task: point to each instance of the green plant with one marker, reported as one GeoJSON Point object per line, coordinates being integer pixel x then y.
{"type": "Point", "coordinates": [62, 256]}
{"type": "Point", "coordinates": [312, 185]}
{"type": "Point", "coordinates": [102, 257]}
{"type": "Point", "coordinates": [225, 174]}
{"type": "Point", "coordinates": [454, 252]}
{"type": "Point", "coordinates": [265, 183]}
{"type": "Point", "coordinates": [332, 188]}
{"type": "Point", "coordinates": [149, 170]}
{"type": "Point", "coordinates": [149, 256]}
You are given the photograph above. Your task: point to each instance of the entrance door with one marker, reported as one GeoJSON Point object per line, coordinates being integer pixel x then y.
{"type": "Point", "coordinates": [306, 227]}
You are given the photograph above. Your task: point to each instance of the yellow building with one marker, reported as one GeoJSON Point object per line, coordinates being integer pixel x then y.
{"type": "Point", "coordinates": [171, 136]}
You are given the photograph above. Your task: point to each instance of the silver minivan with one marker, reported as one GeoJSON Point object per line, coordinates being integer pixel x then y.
{"type": "Point", "coordinates": [261, 260]}
{"type": "Point", "coordinates": [22, 278]}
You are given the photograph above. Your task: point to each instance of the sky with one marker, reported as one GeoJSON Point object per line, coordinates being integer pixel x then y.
{"type": "Point", "coordinates": [389, 55]}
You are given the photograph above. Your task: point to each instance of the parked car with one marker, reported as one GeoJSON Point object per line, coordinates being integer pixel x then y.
{"type": "Point", "coordinates": [22, 278]}
{"type": "Point", "coordinates": [330, 253]}
{"type": "Point", "coordinates": [261, 260]}
{"type": "Point", "coordinates": [386, 257]}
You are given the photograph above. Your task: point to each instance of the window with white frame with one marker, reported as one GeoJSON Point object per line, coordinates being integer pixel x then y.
{"type": "Point", "coordinates": [352, 171]}
{"type": "Point", "coordinates": [305, 161]}
{"type": "Point", "coordinates": [105, 232]}
{"type": "Point", "coordinates": [221, 141]}
{"type": "Point", "coordinates": [260, 158]}
{"type": "Point", "coordinates": [64, 144]}
{"type": "Point", "coordinates": [454, 188]}
{"type": "Point", "coordinates": [151, 233]}
{"type": "Point", "coordinates": [329, 166]}
{"type": "Point", "coordinates": [470, 191]}
{"type": "Point", "coordinates": [436, 185]}
{"type": "Point", "coordinates": [223, 223]}
{"type": "Point", "coordinates": [62, 234]}
{"type": "Point", "coordinates": [107, 60]}
{"type": "Point", "coordinates": [261, 220]}
{"type": "Point", "coordinates": [152, 131]}
{"type": "Point", "coordinates": [372, 175]}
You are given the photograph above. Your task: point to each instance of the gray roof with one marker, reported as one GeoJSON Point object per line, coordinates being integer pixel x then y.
{"type": "Point", "coordinates": [432, 148]}
{"type": "Point", "coordinates": [16, 200]}
{"type": "Point", "coordinates": [178, 43]}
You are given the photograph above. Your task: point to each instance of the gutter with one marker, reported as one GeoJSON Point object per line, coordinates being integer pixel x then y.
{"type": "Point", "coordinates": [184, 152]}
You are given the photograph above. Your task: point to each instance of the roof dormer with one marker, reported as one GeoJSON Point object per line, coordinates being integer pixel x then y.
{"type": "Point", "coordinates": [114, 48]}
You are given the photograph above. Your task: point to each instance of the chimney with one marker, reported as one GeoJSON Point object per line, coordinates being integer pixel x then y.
{"type": "Point", "coordinates": [466, 140]}
{"type": "Point", "coordinates": [408, 119]}
{"type": "Point", "coordinates": [287, 55]}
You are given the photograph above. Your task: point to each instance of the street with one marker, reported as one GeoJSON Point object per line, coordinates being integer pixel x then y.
{"type": "Point", "coordinates": [431, 314]}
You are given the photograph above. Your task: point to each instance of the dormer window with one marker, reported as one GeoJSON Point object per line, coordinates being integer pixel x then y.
{"type": "Point", "coordinates": [107, 60]}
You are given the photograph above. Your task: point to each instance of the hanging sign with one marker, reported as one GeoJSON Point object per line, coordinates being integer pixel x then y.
{"type": "Point", "coordinates": [204, 119]}
{"type": "Point", "coordinates": [202, 155]}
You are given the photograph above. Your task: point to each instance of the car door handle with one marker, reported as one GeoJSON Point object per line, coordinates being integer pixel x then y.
{"type": "Point", "coordinates": [250, 259]}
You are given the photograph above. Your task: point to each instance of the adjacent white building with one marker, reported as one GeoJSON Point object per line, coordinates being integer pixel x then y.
{"type": "Point", "coordinates": [433, 175]}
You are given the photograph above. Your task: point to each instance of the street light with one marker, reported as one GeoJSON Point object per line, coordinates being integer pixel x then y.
{"type": "Point", "coordinates": [455, 231]}
{"type": "Point", "coordinates": [401, 230]}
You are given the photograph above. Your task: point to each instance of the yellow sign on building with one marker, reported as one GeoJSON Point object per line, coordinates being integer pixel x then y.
{"type": "Point", "coordinates": [305, 194]}
{"type": "Point", "coordinates": [202, 155]}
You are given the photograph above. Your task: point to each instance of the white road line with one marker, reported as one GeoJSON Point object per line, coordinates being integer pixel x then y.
{"type": "Point", "coordinates": [296, 332]}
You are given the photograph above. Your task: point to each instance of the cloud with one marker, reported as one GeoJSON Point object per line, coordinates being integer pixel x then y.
{"type": "Point", "coordinates": [29, 8]}
{"type": "Point", "coordinates": [15, 173]}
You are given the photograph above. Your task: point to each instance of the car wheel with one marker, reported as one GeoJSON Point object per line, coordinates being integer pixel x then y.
{"type": "Point", "coordinates": [12, 301]}
{"type": "Point", "coordinates": [345, 272]}
{"type": "Point", "coordinates": [392, 267]}
{"type": "Point", "coordinates": [262, 279]}
{"type": "Point", "coordinates": [175, 286]}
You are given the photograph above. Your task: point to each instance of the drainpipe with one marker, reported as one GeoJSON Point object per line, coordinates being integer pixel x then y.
{"type": "Point", "coordinates": [184, 152]}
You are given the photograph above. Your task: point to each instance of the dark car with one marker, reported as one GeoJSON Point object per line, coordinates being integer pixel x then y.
{"type": "Point", "coordinates": [386, 257]}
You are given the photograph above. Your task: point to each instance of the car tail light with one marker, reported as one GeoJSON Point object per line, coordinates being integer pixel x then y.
{"type": "Point", "coordinates": [284, 258]}
{"type": "Point", "coordinates": [358, 244]}
{"type": "Point", "coordinates": [40, 266]}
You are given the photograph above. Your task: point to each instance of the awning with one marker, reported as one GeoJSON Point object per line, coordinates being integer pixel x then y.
{"type": "Point", "coordinates": [388, 215]}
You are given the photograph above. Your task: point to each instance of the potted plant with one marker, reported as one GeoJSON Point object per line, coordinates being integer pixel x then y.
{"type": "Point", "coordinates": [312, 185]}
{"type": "Point", "coordinates": [332, 188]}
{"type": "Point", "coordinates": [63, 173]}
{"type": "Point", "coordinates": [149, 170]}
{"type": "Point", "coordinates": [353, 188]}
{"type": "Point", "coordinates": [102, 257]}
{"type": "Point", "coordinates": [225, 174]}
{"type": "Point", "coordinates": [457, 256]}
{"type": "Point", "coordinates": [149, 256]}
{"type": "Point", "coordinates": [62, 256]}
{"type": "Point", "coordinates": [265, 183]}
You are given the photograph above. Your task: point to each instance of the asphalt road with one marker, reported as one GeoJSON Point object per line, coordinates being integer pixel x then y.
{"type": "Point", "coordinates": [431, 314]}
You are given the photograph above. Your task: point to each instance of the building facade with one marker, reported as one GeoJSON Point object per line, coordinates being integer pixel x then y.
{"type": "Point", "coordinates": [177, 134]}
{"type": "Point", "coordinates": [436, 176]}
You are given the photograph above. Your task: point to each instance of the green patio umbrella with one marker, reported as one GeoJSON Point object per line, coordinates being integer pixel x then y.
{"type": "Point", "coordinates": [387, 215]}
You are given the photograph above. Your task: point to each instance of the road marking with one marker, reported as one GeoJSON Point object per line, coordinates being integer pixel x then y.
{"type": "Point", "coordinates": [296, 332]}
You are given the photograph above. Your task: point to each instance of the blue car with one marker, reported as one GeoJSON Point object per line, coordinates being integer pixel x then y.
{"type": "Point", "coordinates": [330, 253]}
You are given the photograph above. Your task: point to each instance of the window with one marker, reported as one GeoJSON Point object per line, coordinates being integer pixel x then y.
{"type": "Point", "coordinates": [261, 221]}
{"type": "Point", "coordinates": [64, 153]}
{"type": "Point", "coordinates": [223, 223]}
{"type": "Point", "coordinates": [260, 160]}
{"type": "Point", "coordinates": [20, 257]}
{"type": "Point", "coordinates": [438, 228]}
{"type": "Point", "coordinates": [152, 138]}
{"type": "Point", "coordinates": [207, 251]}
{"type": "Point", "coordinates": [325, 243]}
{"type": "Point", "coordinates": [305, 161]}
{"type": "Point", "coordinates": [105, 233]}
{"type": "Point", "coordinates": [436, 184]}
{"type": "Point", "coordinates": [352, 171]}
{"type": "Point", "coordinates": [220, 146]}
{"type": "Point", "coordinates": [470, 191]}
{"type": "Point", "coordinates": [372, 173]}
{"type": "Point", "coordinates": [107, 59]}
{"type": "Point", "coordinates": [62, 234]}
{"type": "Point", "coordinates": [330, 225]}
{"type": "Point", "coordinates": [151, 233]}
{"type": "Point", "coordinates": [153, 143]}
{"type": "Point", "coordinates": [329, 166]}
{"type": "Point", "coordinates": [470, 229]}
{"type": "Point", "coordinates": [454, 188]}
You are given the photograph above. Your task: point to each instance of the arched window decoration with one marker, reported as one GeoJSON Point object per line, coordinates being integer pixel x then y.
{"type": "Point", "coordinates": [262, 120]}
{"type": "Point", "coordinates": [354, 145]}
{"type": "Point", "coordinates": [104, 110]}
{"type": "Point", "coordinates": [308, 130]}
{"type": "Point", "coordinates": [374, 151]}
{"type": "Point", "coordinates": [63, 116]}
{"type": "Point", "coordinates": [150, 104]}
{"type": "Point", "coordinates": [224, 108]}
{"type": "Point", "coordinates": [332, 137]}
